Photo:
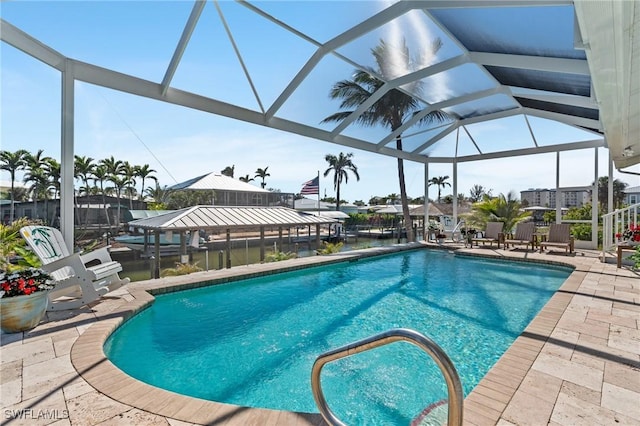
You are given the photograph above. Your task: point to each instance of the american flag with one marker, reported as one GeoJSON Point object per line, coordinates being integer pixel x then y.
{"type": "Point", "coordinates": [311, 187]}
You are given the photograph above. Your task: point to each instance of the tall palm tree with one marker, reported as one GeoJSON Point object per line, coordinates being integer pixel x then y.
{"type": "Point", "coordinates": [129, 173]}
{"type": "Point", "coordinates": [113, 168]}
{"type": "Point", "coordinates": [262, 174]}
{"type": "Point", "coordinates": [100, 175]}
{"type": "Point", "coordinates": [36, 176]}
{"type": "Point", "coordinates": [145, 172]}
{"type": "Point", "coordinates": [83, 169]}
{"type": "Point", "coordinates": [39, 187]}
{"type": "Point", "coordinates": [52, 170]}
{"type": "Point", "coordinates": [392, 109]}
{"type": "Point", "coordinates": [340, 165]}
{"type": "Point", "coordinates": [603, 192]}
{"type": "Point", "coordinates": [12, 162]}
{"type": "Point", "coordinates": [441, 181]}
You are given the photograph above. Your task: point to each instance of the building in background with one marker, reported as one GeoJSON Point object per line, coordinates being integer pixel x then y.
{"type": "Point", "coordinates": [547, 198]}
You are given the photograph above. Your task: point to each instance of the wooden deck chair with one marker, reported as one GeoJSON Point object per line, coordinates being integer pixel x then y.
{"type": "Point", "coordinates": [559, 236]}
{"type": "Point", "coordinates": [523, 236]}
{"type": "Point", "coordinates": [492, 234]}
{"type": "Point", "coordinates": [80, 278]}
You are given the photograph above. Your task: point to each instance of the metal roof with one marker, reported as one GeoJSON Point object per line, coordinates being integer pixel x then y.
{"type": "Point", "coordinates": [217, 182]}
{"type": "Point", "coordinates": [222, 217]}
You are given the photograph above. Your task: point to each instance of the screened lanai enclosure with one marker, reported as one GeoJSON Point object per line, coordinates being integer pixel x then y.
{"type": "Point", "coordinates": [469, 68]}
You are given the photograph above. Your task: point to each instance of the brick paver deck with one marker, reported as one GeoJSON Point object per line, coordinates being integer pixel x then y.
{"type": "Point", "coordinates": [578, 361]}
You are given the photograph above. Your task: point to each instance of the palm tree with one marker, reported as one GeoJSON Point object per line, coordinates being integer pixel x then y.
{"type": "Point", "coordinates": [340, 165]}
{"type": "Point", "coordinates": [100, 175]}
{"type": "Point", "coordinates": [441, 181]}
{"type": "Point", "coordinates": [113, 170]}
{"type": "Point", "coordinates": [52, 170]}
{"type": "Point", "coordinates": [12, 162]}
{"type": "Point", "coordinates": [129, 173]}
{"type": "Point", "coordinates": [39, 187]}
{"type": "Point", "coordinates": [144, 172]}
{"type": "Point", "coordinates": [506, 209]}
{"type": "Point", "coordinates": [392, 109]}
{"type": "Point", "coordinates": [35, 174]}
{"type": "Point", "coordinates": [83, 168]}
{"type": "Point", "coordinates": [262, 174]}
{"type": "Point", "coordinates": [477, 192]}
{"type": "Point", "coordinates": [603, 192]}
{"type": "Point", "coordinates": [246, 178]}
{"type": "Point", "coordinates": [228, 171]}
{"type": "Point", "coordinates": [160, 196]}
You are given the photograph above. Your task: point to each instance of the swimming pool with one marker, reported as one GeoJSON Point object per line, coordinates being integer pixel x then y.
{"type": "Point", "coordinates": [253, 342]}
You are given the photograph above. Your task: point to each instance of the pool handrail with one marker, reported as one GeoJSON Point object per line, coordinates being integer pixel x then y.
{"type": "Point", "coordinates": [454, 387]}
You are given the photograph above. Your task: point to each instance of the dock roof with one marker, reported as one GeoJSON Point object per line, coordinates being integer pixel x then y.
{"type": "Point", "coordinates": [225, 217]}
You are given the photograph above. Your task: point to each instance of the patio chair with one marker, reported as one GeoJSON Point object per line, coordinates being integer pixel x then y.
{"type": "Point", "coordinates": [559, 236]}
{"type": "Point", "coordinates": [80, 278]}
{"type": "Point", "coordinates": [523, 236]}
{"type": "Point", "coordinates": [492, 234]}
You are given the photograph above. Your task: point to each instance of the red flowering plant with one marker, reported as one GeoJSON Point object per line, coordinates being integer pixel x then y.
{"type": "Point", "coordinates": [632, 233]}
{"type": "Point", "coordinates": [19, 268]}
{"type": "Point", "coordinates": [24, 282]}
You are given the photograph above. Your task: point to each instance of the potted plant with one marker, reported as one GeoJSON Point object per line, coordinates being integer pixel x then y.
{"type": "Point", "coordinates": [24, 288]}
{"type": "Point", "coordinates": [630, 236]}
{"type": "Point", "coordinates": [440, 237]}
{"type": "Point", "coordinates": [23, 298]}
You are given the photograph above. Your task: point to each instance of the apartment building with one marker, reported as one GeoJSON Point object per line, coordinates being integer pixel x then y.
{"type": "Point", "coordinates": [547, 197]}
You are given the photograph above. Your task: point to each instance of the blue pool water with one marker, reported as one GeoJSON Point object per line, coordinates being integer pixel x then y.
{"type": "Point", "coordinates": [253, 342]}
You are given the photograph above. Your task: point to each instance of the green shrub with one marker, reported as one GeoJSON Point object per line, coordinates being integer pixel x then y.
{"type": "Point", "coordinates": [181, 269]}
{"type": "Point", "coordinates": [279, 256]}
{"type": "Point", "coordinates": [330, 248]}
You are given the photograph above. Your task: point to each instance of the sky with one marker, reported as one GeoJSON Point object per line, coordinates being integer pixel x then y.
{"type": "Point", "coordinates": [138, 38]}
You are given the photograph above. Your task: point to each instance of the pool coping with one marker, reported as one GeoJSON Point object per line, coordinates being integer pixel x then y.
{"type": "Point", "coordinates": [486, 404]}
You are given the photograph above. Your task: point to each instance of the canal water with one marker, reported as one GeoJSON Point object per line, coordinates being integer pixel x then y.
{"type": "Point", "coordinates": [242, 253]}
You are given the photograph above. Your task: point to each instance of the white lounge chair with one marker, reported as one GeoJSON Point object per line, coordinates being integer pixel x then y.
{"type": "Point", "coordinates": [523, 236]}
{"type": "Point", "coordinates": [80, 278]}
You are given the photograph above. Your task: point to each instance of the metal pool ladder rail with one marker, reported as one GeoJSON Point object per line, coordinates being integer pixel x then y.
{"type": "Point", "coordinates": [454, 387]}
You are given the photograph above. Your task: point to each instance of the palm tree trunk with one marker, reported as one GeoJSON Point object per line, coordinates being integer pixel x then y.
{"type": "Point", "coordinates": [338, 197]}
{"type": "Point", "coordinates": [408, 225]}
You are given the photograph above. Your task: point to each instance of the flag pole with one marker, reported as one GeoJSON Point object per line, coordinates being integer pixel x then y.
{"type": "Point", "coordinates": [318, 193]}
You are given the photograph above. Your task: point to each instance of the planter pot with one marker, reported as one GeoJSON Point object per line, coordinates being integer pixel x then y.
{"type": "Point", "coordinates": [21, 313]}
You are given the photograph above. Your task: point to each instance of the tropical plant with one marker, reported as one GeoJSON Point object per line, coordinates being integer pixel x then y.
{"type": "Point", "coordinates": [228, 171]}
{"type": "Point", "coordinates": [181, 269]}
{"type": "Point", "coordinates": [340, 165]}
{"type": "Point", "coordinates": [12, 162]}
{"type": "Point", "coordinates": [441, 182]}
{"type": "Point", "coordinates": [262, 174]}
{"type": "Point", "coordinates": [477, 192]}
{"type": "Point", "coordinates": [83, 170]}
{"type": "Point", "coordinates": [245, 178]}
{"type": "Point", "coordinates": [144, 172]}
{"type": "Point", "coordinates": [160, 196]}
{"type": "Point", "coordinates": [100, 175]}
{"type": "Point", "coordinates": [36, 176]}
{"type": "Point", "coordinates": [330, 248]}
{"type": "Point", "coordinates": [129, 180]}
{"type": "Point", "coordinates": [603, 192]}
{"type": "Point", "coordinates": [278, 256]}
{"type": "Point", "coordinates": [393, 108]}
{"type": "Point", "coordinates": [506, 209]}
